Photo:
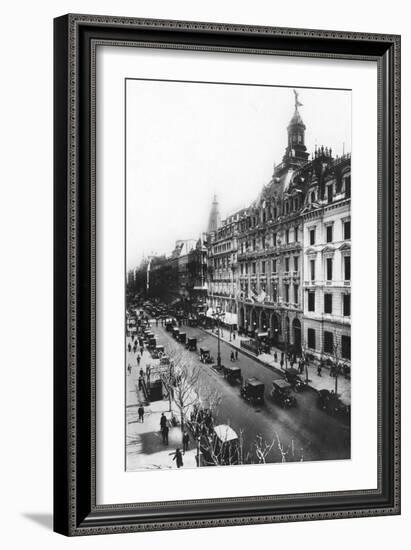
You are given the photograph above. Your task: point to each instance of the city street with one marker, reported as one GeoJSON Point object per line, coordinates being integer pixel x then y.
{"type": "Point", "coordinates": [305, 431]}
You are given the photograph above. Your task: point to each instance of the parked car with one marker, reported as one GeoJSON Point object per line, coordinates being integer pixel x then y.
{"type": "Point", "coordinates": [191, 344]}
{"type": "Point", "coordinates": [293, 377]}
{"type": "Point", "coordinates": [329, 402]}
{"type": "Point", "coordinates": [205, 356]}
{"type": "Point", "coordinates": [281, 393]}
{"type": "Point", "coordinates": [232, 373]}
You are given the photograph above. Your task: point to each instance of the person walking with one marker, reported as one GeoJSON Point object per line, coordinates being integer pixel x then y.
{"type": "Point", "coordinates": [178, 457]}
{"type": "Point", "coordinates": [141, 373]}
{"type": "Point", "coordinates": [236, 354]}
{"type": "Point", "coordinates": [164, 432]}
{"type": "Point", "coordinates": [140, 383]}
{"type": "Point", "coordinates": [319, 369]}
{"type": "Point", "coordinates": [138, 359]}
{"type": "Point", "coordinates": [275, 357]}
{"type": "Point", "coordinates": [129, 368]}
{"type": "Point", "coordinates": [163, 421]}
{"type": "Point", "coordinates": [186, 440]}
{"type": "Point", "coordinates": [140, 411]}
{"type": "Point", "coordinates": [232, 356]}
{"type": "Point", "coordinates": [129, 347]}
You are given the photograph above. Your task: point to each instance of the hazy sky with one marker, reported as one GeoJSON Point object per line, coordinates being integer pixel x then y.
{"type": "Point", "coordinates": [186, 141]}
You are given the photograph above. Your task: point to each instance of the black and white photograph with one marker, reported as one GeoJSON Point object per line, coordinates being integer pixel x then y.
{"type": "Point", "coordinates": [238, 274]}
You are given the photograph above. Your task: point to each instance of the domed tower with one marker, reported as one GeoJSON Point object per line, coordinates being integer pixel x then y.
{"type": "Point", "coordinates": [296, 151]}
{"type": "Point", "coordinates": [214, 219]}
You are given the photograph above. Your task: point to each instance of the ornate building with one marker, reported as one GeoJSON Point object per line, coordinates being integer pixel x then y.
{"type": "Point", "coordinates": [262, 257]}
{"type": "Point", "coordinates": [222, 267]}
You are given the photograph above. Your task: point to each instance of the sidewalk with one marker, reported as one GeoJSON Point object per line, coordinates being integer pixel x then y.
{"type": "Point", "coordinates": [324, 382]}
{"type": "Point", "coordinates": [144, 445]}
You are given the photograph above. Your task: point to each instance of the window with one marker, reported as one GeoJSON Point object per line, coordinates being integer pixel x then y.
{"type": "Point", "coordinates": [287, 293]}
{"type": "Point", "coordinates": [242, 269]}
{"type": "Point", "coordinates": [263, 267]}
{"type": "Point", "coordinates": [346, 347]}
{"type": "Point", "coordinates": [246, 269]}
{"type": "Point", "coordinates": [274, 239]}
{"type": "Point", "coordinates": [312, 236]}
{"type": "Point", "coordinates": [347, 268]}
{"type": "Point", "coordinates": [311, 338]}
{"type": "Point", "coordinates": [295, 263]}
{"type": "Point", "coordinates": [254, 267]}
{"type": "Point", "coordinates": [328, 342]}
{"type": "Point", "coordinates": [275, 212]}
{"type": "Point", "coordinates": [275, 292]}
{"type": "Point", "coordinates": [296, 233]}
{"type": "Point", "coordinates": [254, 244]}
{"type": "Point", "coordinates": [347, 230]}
{"type": "Point", "coordinates": [311, 301]}
{"type": "Point", "coordinates": [263, 241]}
{"type": "Point", "coordinates": [313, 197]}
{"type": "Point", "coordinates": [287, 236]}
{"type": "Point", "coordinates": [329, 236]}
{"type": "Point", "coordinates": [312, 270]}
{"type": "Point", "coordinates": [274, 266]}
{"type": "Point", "coordinates": [296, 294]}
{"type": "Point", "coordinates": [329, 264]}
{"type": "Point", "coordinates": [328, 303]}
{"type": "Point", "coordinates": [287, 264]}
{"type": "Point", "coordinates": [346, 305]}
{"type": "Point", "coordinates": [347, 182]}
{"type": "Point", "coordinates": [329, 193]}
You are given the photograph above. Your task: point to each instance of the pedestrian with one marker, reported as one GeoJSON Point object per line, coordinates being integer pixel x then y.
{"type": "Point", "coordinates": [142, 350]}
{"type": "Point", "coordinates": [163, 421]}
{"type": "Point", "coordinates": [141, 373]}
{"type": "Point", "coordinates": [186, 440]}
{"type": "Point", "coordinates": [232, 356]}
{"type": "Point", "coordinates": [164, 432]}
{"type": "Point", "coordinates": [236, 354]}
{"type": "Point", "coordinates": [234, 335]}
{"type": "Point", "coordinates": [129, 368]}
{"type": "Point", "coordinates": [141, 414]}
{"type": "Point", "coordinates": [129, 347]}
{"type": "Point", "coordinates": [178, 457]}
{"type": "Point", "coordinates": [138, 359]}
{"type": "Point", "coordinates": [282, 363]}
{"type": "Point", "coordinates": [140, 383]}
{"type": "Point", "coordinates": [319, 369]}
{"type": "Point", "coordinates": [275, 357]}
{"type": "Point", "coordinates": [301, 366]}
{"type": "Point", "coordinates": [148, 371]}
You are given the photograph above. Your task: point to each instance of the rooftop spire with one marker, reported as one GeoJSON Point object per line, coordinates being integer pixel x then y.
{"type": "Point", "coordinates": [214, 219]}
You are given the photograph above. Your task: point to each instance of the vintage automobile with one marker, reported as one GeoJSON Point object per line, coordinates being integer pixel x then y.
{"type": "Point", "coordinates": [232, 373]}
{"type": "Point", "coordinates": [252, 390]}
{"type": "Point", "coordinates": [175, 332]}
{"type": "Point", "coordinates": [191, 344]}
{"type": "Point", "coordinates": [293, 377]}
{"type": "Point", "coordinates": [152, 343]}
{"type": "Point", "coordinates": [223, 446]}
{"type": "Point", "coordinates": [157, 352]}
{"type": "Point", "coordinates": [182, 337]}
{"type": "Point", "coordinates": [281, 393]}
{"type": "Point", "coordinates": [164, 360]}
{"type": "Point", "coordinates": [329, 402]}
{"type": "Point", "coordinates": [205, 356]}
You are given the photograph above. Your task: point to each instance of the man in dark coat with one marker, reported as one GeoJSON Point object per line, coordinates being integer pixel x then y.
{"type": "Point", "coordinates": [141, 413]}
{"type": "Point", "coordinates": [178, 457]}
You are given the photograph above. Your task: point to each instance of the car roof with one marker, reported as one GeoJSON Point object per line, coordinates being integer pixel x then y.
{"type": "Point", "coordinates": [225, 433]}
{"type": "Point", "coordinates": [281, 383]}
{"type": "Point", "coordinates": [254, 382]}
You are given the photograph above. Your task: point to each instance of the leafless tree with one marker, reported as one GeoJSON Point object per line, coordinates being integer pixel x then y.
{"type": "Point", "coordinates": [262, 448]}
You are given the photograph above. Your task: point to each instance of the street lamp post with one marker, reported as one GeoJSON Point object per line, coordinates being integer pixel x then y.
{"type": "Point", "coordinates": [218, 315]}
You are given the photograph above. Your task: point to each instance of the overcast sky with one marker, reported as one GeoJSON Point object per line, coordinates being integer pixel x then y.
{"type": "Point", "coordinates": [187, 141]}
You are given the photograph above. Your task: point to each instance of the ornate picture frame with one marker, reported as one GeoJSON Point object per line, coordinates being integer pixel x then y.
{"type": "Point", "coordinates": [76, 38]}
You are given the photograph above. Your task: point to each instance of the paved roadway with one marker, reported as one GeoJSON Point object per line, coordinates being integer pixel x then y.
{"type": "Point", "coordinates": [305, 431]}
